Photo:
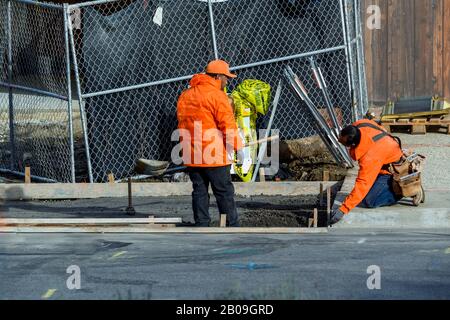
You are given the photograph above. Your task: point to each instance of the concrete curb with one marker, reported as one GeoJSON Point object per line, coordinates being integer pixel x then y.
{"type": "Point", "coordinates": [55, 191]}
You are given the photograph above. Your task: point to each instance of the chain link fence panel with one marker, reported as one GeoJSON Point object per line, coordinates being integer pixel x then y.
{"type": "Point", "coordinates": [119, 44]}
{"type": "Point", "coordinates": [252, 31]}
{"type": "Point", "coordinates": [39, 86]}
{"type": "Point", "coordinates": [38, 50]}
{"type": "Point", "coordinates": [135, 57]}
{"type": "Point", "coordinates": [125, 126]}
{"type": "Point", "coordinates": [41, 136]}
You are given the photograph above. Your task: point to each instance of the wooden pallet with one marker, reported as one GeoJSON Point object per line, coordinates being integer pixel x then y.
{"type": "Point", "coordinates": [418, 126]}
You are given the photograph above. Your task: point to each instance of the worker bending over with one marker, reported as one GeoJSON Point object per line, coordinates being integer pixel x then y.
{"type": "Point", "coordinates": [205, 114]}
{"type": "Point", "coordinates": [374, 149]}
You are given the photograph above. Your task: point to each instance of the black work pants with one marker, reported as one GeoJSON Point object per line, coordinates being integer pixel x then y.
{"type": "Point", "coordinates": [220, 180]}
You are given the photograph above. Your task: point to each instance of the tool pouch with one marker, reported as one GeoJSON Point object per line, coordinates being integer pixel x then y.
{"type": "Point", "coordinates": [407, 180]}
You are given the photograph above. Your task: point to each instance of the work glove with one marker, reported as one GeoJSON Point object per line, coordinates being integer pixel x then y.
{"type": "Point", "coordinates": [240, 157]}
{"type": "Point", "coordinates": [336, 216]}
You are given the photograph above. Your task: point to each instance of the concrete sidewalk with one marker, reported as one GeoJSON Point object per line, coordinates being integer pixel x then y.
{"type": "Point", "coordinates": [435, 213]}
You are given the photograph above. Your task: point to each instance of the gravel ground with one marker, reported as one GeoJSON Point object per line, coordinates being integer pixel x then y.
{"type": "Point", "coordinates": [436, 147]}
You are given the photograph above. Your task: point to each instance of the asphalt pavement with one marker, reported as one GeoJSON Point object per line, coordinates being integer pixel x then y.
{"type": "Point", "coordinates": [361, 264]}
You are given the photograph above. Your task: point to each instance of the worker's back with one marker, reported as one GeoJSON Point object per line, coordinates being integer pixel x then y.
{"type": "Point", "coordinates": [205, 113]}
{"type": "Point", "coordinates": [375, 143]}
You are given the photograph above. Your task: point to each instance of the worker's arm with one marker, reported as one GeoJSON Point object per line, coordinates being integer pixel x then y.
{"type": "Point", "coordinates": [369, 169]}
{"type": "Point", "coordinates": [224, 116]}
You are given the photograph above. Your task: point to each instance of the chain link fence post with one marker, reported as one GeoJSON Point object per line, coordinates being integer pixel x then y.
{"type": "Point", "coordinates": [348, 56]}
{"type": "Point", "coordinates": [213, 29]}
{"type": "Point", "coordinates": [10, 90]}
{"type": "Point", "coordinates": [132, 59]}
{"type": "Point", "coordinates": [69, 93]}
{"type": "Point", "coordinates": [78, 86]}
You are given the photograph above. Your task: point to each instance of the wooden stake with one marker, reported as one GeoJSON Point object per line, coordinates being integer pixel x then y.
{"type": "Point", "coordinates": [223, 220]}
{"type": "Point", "coordinates": [316, 217]}
{"type": "Point", "coordinates": [27, 175]}
{"type": "Point", "coordinates": [326, 175]}
{"type": "Point", "coordinates": [262, 175]}
{"type": "Point", "coordinates": [111, 178]}
{"type": "Point", "coordinates": [328, 204]}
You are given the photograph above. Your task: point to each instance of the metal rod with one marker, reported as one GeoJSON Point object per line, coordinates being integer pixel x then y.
{"type": "Point", "coordinates": [130, 209]}
{"type": "Point", "coordinates": [80, 98]}
{"type": "Point", "coordinates": [263, 148]}
{"type": "Point", "coordinates": [323, 86]}
{"type": "Point", "coordinates": [89, 3]}
{"type": "Point", "coordinates": [10, 91]}
{"type": "Point", "coordinates": [249, 65]}
{"type": "Point", "coordinates": [323, 133]}
{"type": "Point", "coordinates": [69, 95]}
{"type": "Point", "coordinates": [34, 90]}
{"type": "Point", "coordinates": [347, 56]}
{"type": "Point", "coordinates": [287, 58]}
{"type": "Point", "coordinates": [21, 174]}
{"type": "Point", "coordinates": [213, 29]}
{"type": "Point", "coordinates": [40, 4]}
{"type": "Point", "coordinates": [342, 155]}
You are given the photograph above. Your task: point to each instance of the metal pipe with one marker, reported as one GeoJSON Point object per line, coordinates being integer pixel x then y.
{"type": "Point", "coordinates": [287, 58]}
{"type": "Point", "coordinates": [320, 121]}
{"type": "Point", "coordinates": [33, 90]}
{"type": "Point", "coordinates": [263, 148]}
{"type": "Point", "coordinates": [40, 4]}
{"type": "Point", "coordinates": [80, 98]}
{"type": "Point", "coordinates": [213, 30]}
{"type": "Point", "coordinates": [135, 87]}
{"type": "Point", "coordinates": [249, 65]}
{"type": "Point", "coordinates": [69, 95]}
{"type": "Point", "coordinates": [10, 91]}
{"type": "Point", "coordinates": [323, 133]}
{"type": "Point", "coordinates": [21, 174]}
{"type": "Point", "coordinates": [323, 86]}
{"type": "Point", "coordinates": [88, 3]}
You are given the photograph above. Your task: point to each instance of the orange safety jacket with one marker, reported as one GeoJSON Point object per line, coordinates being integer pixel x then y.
{"type": "Point", "coordinates": [376, 149]}
{"type": "Point", "coordinates": [206, 123]}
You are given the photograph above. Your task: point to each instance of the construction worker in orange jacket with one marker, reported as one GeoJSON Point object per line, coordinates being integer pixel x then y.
{"type": "Point", "coordinates": [209, 136]}
{"type": "Point", "coordinates": [374, 149]}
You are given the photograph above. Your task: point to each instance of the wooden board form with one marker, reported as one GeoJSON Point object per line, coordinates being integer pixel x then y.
{"type": "Point", "coordinates": [89, 221]}
{"type": "Point", "coordinates": [179, 230]}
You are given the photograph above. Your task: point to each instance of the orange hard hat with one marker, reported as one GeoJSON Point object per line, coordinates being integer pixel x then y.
{"type": "Point", "coordinates": [220, 67]}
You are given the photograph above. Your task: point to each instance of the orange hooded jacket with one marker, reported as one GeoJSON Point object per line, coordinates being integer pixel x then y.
{"type": "Point", "coordinates": [376, 149]}
{"type": "Point", "coordinates": [206, 124]}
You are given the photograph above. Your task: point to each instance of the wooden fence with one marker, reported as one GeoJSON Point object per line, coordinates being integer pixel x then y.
{"type": "Point", "coordinates": [410, 55]}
